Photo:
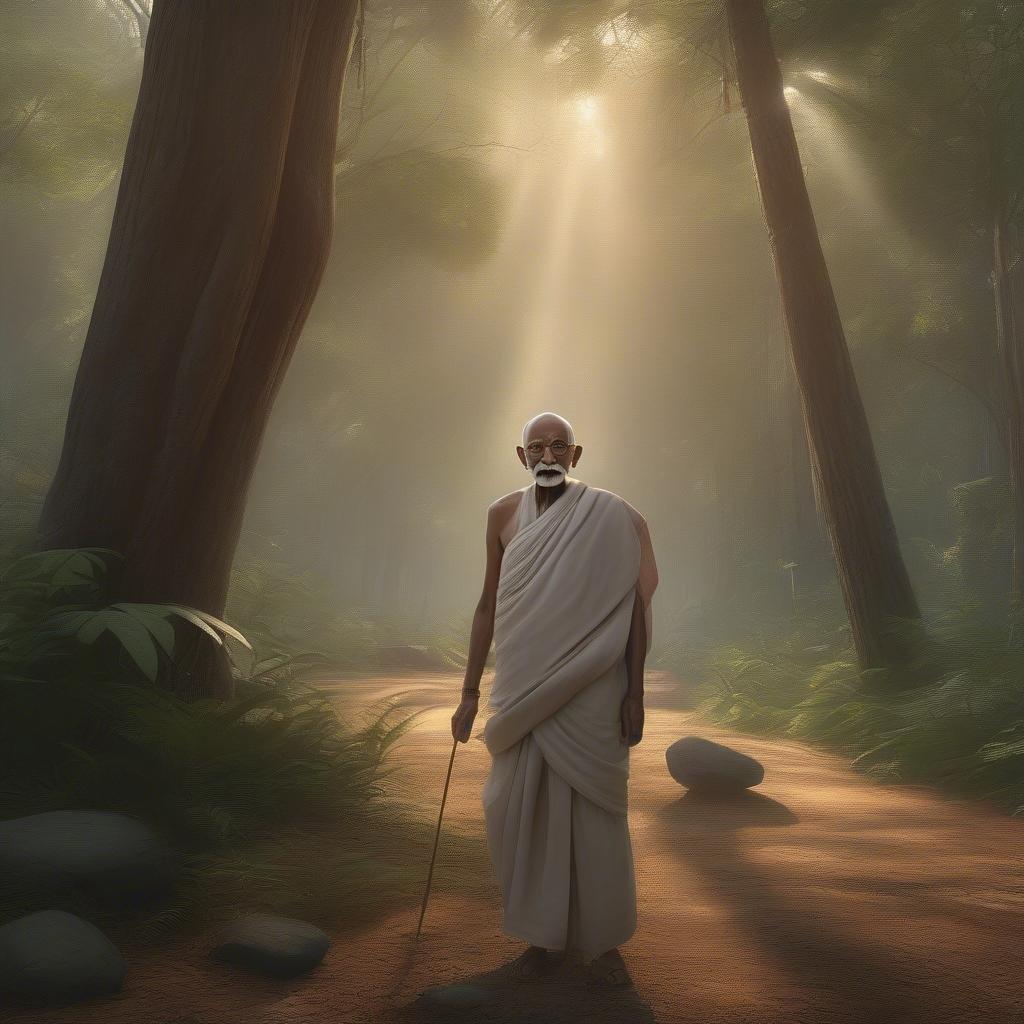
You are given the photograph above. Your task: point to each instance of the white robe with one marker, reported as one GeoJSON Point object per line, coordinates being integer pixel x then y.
{"type": "Point", "coordinates": [555, 801]}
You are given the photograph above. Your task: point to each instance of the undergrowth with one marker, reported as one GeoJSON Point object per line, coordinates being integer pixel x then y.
{"type": "Point", "coordinates": [270, 799]}
{"type": "Point", "coordinates": [953, 717]}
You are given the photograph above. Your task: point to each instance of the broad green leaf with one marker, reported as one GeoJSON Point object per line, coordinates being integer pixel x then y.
{"type": "Point", "coordinates": [61, 566]}
{"type": "Point", "coordinates": [190, 616]}
{"type": "Point", "coordinates": [137, 640]}
{"type": "Point", "coordinates": [69, 622]}
{"type": "Point", "coordinates": [158, 625]}
{"type": "Point", "coordinates": [97, 623]}
{"type": "Point", "coordinates": [134, 637]}
{"type": "Point", "coordinates": [216, 623]}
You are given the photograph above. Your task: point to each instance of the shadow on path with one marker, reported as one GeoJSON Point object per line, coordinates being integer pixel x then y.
{"type": "Point", "coordinates": [563, 997]}
{"type": "Point", "coordinates": [850, 980]}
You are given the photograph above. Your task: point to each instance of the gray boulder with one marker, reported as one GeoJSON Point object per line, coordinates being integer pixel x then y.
{"type": "Point", "coordinates": [707, 767]}
{"type": "Point", "coordinates": [57, 957]}
{"type": "Point", "coordinates": [281, 946]}
{"type": "Point", "coordinates": [109, 855]}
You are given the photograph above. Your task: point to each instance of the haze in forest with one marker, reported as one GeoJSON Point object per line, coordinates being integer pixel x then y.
{"type": "Point", "coordinates": [280, 285]}
{"type": "Point", "coordinates": [527, 224]}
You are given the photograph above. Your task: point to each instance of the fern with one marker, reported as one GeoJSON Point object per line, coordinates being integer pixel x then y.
{"type": "Point", "coordinates": [83, 725]}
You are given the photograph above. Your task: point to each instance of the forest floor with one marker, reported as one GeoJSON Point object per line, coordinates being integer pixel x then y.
{"type": "Point", "coordinates": [820, 898]}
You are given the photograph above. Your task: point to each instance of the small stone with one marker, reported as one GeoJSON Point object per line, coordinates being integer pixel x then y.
{"type": "Point", "coordinates": [707, 767]}
{"type": "Point", "coordinates": [57, 957]}
{"type": "Point", "coordinates": [108, 855]}
{"type": "Point", "coordinates": [458, 995]}
{"type": "Point", "coordinates": [280, 946]}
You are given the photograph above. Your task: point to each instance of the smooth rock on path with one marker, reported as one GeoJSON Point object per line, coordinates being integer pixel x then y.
{"type": "Point", "coordinates": [818, 898]}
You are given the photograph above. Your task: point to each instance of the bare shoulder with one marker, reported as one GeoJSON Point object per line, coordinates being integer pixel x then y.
{"type": "Point", "coordinates": [501, 514]}
{"type": "Point", "coordinates": [502, 506]}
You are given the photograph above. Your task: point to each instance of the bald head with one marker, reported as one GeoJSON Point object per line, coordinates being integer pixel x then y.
{"type": "Point", "coordinates": [547, 422]}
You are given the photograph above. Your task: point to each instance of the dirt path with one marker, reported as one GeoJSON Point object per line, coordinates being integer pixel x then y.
{"type": "Point", "coordinates": [821, 898]}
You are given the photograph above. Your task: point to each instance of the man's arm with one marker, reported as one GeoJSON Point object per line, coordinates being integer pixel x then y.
{"type": "Point", "coordinates": [631, 712]}
{"type": "Point", "coordinates": [482, 631]}
{"type": "Point", "coordinates": [631, 717]}
{"type": "Point", "coordinates": [636, 648]}
{"type": "Point", "coordinates": [483, 618]}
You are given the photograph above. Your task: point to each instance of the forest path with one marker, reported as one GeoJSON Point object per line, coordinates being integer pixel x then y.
{"type": "Point", "coordinates": [819, 897]}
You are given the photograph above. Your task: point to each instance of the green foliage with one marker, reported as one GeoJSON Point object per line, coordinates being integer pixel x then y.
{"type": "Point", "coordinates": [208, 773]}
{"type": "Point", "coordinates": [53, 608]}
{"type": "Point", "coordinates": [246, 789]}
{"type": "Point", "coordinates": [962, 729]}
{"type": "Point", "coordinates": [83, 726]}
{"type": "Point", "coordinates": [759, 611]}
{"type": "Point", "coordinates": [250, 791]}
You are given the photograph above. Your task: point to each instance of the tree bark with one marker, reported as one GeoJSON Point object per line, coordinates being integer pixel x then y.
{"type": "Point", "coordinates": [873, 577]}
{"type": "Point", "coordinates": [220, 236]}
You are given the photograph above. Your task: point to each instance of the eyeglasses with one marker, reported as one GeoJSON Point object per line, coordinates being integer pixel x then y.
{"type": "Point", "coordinates": [558, 448]}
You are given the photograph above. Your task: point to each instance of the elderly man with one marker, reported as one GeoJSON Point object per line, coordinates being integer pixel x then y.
{"type": "Point", "coordinates": [566, 598]}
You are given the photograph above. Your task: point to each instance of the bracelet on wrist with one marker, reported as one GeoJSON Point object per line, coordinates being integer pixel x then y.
{"type": "Point", "coordinates": [470, 693]}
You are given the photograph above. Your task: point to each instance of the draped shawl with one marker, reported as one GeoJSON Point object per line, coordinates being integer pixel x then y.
{"type": "Point", "coordinates": [564, 606]}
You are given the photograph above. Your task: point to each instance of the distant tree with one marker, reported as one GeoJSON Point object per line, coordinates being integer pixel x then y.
{"type": "Point", "coordinates": [874, 580]}
{"type": "Point", "coordinates": [699, 37]}
{"type": "Point", "coordinates": [221, 232]}
{"type": "Point", "coordinates": [942, 117]}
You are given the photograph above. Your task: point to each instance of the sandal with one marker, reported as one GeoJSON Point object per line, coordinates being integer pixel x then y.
{"type": "Point", "coordinates": [533, 964]}
{"type": "Point", "coordinates": [602, 974]}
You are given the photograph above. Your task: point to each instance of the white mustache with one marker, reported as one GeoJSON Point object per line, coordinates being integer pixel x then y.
{"type": "Point", "coordinates": [548, 475]}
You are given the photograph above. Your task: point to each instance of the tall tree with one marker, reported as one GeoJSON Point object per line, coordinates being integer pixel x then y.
{"type": "Point", "coordinates": [221, 231]}
{"type": "Point", "coordinates": [870, 567]}
{"type": "Point", "coordinates": [945, 114]}
{"type": "Point", "coordinates": [874, 580]}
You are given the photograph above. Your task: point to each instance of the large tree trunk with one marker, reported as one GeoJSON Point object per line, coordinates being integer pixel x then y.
{"type": "Point", "coordinates": [220, 236]}
{"type": "Point", "coordinates": [874, 580]}
{"type": "Point", "coordinates": [809, 537]}
{"type": "Point", "coordinates": [1008, 341]}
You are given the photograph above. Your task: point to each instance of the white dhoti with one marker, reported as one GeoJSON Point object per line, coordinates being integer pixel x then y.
{"type": "Point", "coordinates": [555, 801]}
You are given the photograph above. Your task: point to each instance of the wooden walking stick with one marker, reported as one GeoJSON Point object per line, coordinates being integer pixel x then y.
{"type": "Point", "coordinates": [430, 874]}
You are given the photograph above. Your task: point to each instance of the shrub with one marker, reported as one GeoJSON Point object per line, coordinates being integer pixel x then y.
{"type": "Point", "coordinates": [238, 786]}
{"type": "Point", "coordinates": [953, 717]}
